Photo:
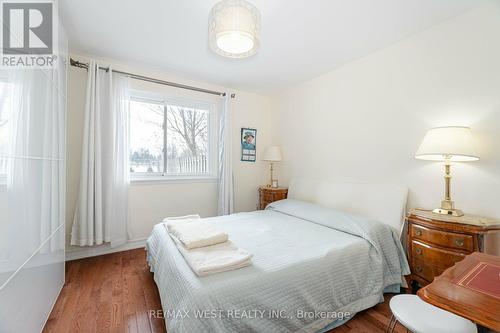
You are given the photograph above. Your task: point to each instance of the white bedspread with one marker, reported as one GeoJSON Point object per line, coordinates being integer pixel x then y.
{"type": "Point", "coordinates": [299, 267]}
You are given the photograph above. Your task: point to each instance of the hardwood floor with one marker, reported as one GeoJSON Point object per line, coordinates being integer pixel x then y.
{"type": "Point", "coordinates": [115, 293]}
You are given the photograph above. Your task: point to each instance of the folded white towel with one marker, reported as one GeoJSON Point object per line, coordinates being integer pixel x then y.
{"type": "Point", "coordinates": [180, 218]}
{"type": "Point", "coordinates": [193, 233]}
{"type": "Point", "coordinates": [176, 220]}
{"type": "Point", "coordinates": [213, 259]}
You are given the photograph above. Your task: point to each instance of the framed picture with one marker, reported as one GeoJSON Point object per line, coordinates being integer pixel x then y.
{"type": "Point", "coordinates": [248, 144]}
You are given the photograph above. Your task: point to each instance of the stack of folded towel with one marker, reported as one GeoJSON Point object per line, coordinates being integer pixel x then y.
{"type": "Point", "coordinates": [206, 249]}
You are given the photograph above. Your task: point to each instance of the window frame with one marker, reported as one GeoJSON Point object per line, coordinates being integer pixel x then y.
{"type": "Point", "coordinates": [165, 100]}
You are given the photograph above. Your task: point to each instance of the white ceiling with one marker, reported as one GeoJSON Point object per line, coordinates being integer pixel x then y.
{"type": "Point", "coordinates": [300, 39]}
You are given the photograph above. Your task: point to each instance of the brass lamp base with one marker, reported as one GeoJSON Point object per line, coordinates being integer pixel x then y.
{"type": "Point", "coordinates": [448, 208]}
{"type": "Point", "coordinates": [447, 205]}
{"type": "Point", "coordinates": [450, 212]}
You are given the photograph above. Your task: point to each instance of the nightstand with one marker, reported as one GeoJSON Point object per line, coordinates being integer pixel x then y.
{"type": "Point", "coordinates": [270, 194]}
{"type": "Point", "coordinates": [436, 242]}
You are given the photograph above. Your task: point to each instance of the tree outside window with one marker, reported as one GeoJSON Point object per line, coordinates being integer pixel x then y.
{"type": "Point", "coordinates": [169, 139]}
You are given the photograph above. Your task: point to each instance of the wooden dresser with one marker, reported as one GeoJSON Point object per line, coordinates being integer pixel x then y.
{"type": "Point", "coordinates": [436, 242]}
{"type": "Point", "coordinates": [270, 194]}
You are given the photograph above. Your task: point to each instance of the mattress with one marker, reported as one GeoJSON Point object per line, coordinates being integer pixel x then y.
{"type": "Point", "coordinates": [304, 275]}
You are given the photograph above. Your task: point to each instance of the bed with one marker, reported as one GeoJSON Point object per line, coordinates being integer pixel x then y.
{"type": "Point", "coordinates": [314, 266]}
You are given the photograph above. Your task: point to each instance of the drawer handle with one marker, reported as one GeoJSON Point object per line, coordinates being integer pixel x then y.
{"type": "Point", "coordinates": [419, 251]}
{"type": "Point", "coordinates": [418, 232]}
{"type": "Point", "coordinates": [459, 242]}
{"type": "Point", "coordinates": [419, 269]}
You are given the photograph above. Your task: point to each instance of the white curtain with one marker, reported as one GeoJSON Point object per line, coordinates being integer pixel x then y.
{"type": "Point", "coordinates": [121, 176]}
{"type": "Point", "coordinates": [226, 195]}
{"type": "Point", "coordinates": [101, 210]}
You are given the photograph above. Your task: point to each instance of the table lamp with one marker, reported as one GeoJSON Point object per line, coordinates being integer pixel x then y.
{"type": "Point", "coordinates": [448, 144]}
{"type": "Point", "coordinates": [272, 154]}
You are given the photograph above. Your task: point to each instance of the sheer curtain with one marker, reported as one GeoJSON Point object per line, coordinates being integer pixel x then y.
{"type": "Point", "coordinates": [225, 185]}
{"type": "Point", "coordinates": [121, 176]}
{"type": "Point", "coordinates": [101, 211]}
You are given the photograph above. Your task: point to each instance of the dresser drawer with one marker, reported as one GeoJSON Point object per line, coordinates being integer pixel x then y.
{"type": "Point", "coordinates": [267, 197]}
{"type": "Point", "coordinates": [444, 239]}
{"type": "Point", "coordinates": [270, 197]}
{"type": "Point", "coordinates": [434, 256]}
{"type": "Point", "coordinates": [425, 271]}
{"type": "Point", "coordinates": [271, 194]}
{"type": "Point", "coordinates": [279, 197]}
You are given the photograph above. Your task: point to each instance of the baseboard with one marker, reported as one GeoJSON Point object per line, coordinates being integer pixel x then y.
{"type": "Point", "coordinates": [86, 252]}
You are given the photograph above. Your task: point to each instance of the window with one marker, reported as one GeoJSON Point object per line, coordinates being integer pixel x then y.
{"type": "Point", "coordinates": [171, 139]}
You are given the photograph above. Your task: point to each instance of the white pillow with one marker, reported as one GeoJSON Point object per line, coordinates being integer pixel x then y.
{"type": "Point", "coordinates": [385, 203]}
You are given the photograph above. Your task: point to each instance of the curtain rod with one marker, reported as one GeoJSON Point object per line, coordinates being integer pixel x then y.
{"type": "Point", "coordinates": [79, 64]}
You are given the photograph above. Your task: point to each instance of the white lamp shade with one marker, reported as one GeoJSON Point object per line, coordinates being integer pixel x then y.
{"type": "Point", "coordinates": [272, 154]}
{"type": "Point", "coordinates": [234, 28]}
{"type": "Point", "coordinates": [448, 143]}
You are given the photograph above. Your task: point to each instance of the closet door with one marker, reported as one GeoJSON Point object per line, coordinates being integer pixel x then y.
{"type": "Point", "coordinates": [32, 193]}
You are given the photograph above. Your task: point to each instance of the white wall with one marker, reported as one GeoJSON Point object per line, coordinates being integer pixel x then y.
{"type": "Point", "coordinates": [150, 202]}
{"type": "Point", "coordinates": [364, 121]}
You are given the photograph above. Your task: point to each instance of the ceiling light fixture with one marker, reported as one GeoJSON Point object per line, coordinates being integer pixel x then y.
{"type": "Point", "coordinates": [234, 28]}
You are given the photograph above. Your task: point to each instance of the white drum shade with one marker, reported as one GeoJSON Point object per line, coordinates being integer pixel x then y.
{"type": "Point", "coordinates": [234, 28]}
{"type": "Point", "coordinates": [452, 143]}
{"type": "Point", "coordinates": [272, 154]}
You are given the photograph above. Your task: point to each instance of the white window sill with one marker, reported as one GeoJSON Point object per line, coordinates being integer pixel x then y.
{"type": "Point", "coordinates": [139, 180]}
